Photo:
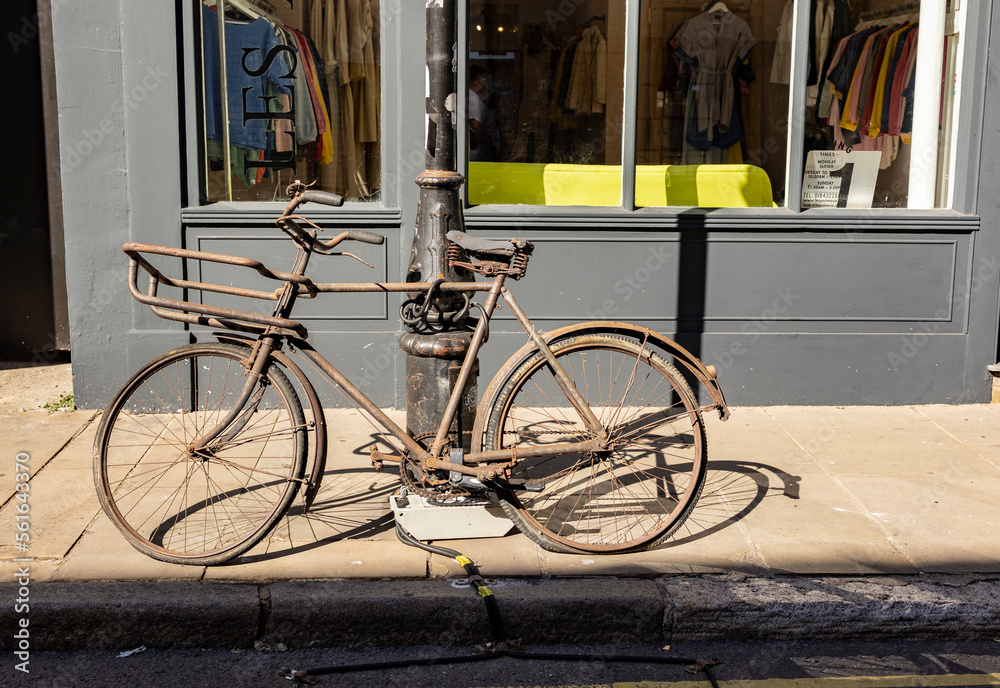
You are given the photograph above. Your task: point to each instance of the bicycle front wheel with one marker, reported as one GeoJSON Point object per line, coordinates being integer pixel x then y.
{"type": "Point", "coordinates": [630, 497]}
{"type": "Point", "coordinates": [199, 507]}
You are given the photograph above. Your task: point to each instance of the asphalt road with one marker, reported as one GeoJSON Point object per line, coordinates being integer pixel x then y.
{"type": "Point", "coordinates": [744, 665]}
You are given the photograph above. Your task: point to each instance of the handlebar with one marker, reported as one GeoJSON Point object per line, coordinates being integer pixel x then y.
{"type": "Point", "coordinates": [299, 195]}
{"type": "Point", "coordinates": [365, 237]}
{"type": "Point", "coordinates": [323, 197]}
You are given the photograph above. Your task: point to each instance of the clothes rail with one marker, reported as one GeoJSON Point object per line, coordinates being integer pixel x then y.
{"type": "Point", "coordinates": [888, 11]}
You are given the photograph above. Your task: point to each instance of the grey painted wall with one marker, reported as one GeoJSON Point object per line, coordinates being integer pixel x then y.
{"type": "Point", "coordinates": [810, 308]}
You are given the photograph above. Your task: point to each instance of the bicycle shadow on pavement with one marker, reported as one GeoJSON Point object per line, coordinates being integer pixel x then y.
{"type": "Point", "coordinates": [352, 504]}
{"type": "Point", "coordinates": [732, 490]}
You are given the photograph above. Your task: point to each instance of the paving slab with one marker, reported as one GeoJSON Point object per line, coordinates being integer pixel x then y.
{"type": "Point", "coordinates": [342, 559]}
{"type": "Point", "coordinates": [976, 426]}
{"type": "Point", "coordinates": [701, 545]}
{"type": "Point", "coordinates": [39, 434]}
{"type": "Point", "coordinates": [871, 440]}
{"type": "Point", "coordinates": [820, 512]}
{"type": "Point", "coordinates": [103, 554]}
{"type": "Point", "coordinates": [845, 557]}
{"type": "Point", "coordinates": [353, 503]}
{"type": "Point", "coordinates": [943, 524]}
{"type": "Point", "coordinates": [751, 435]}
{"type": "Point", "coordinates": [62, 502]}
{"type": "Point", "coordinates": [40, 570]}
{"type": "Point", "coordinates": [513, 555]}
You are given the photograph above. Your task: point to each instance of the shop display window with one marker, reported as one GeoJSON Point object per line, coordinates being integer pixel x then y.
{"type": "Point", "coordinates": [298, 97]}
{"type": "Point", "coordinates": [711, 127]}
{"type": "Point", "coordinates": [860, 105]}
{"type": "Point", "coordinates": [546, 102]}
{"type": "Point", "coordinates": [714, 93]}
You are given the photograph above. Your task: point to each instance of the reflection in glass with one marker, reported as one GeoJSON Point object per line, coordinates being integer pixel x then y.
{"type": "Point", "coordinates": [294, 94]}
{"type": "Point", "coordinates": [711, 133]}
{"type": "Point", "coordinates": [545, 101]}
{"type": "Point", "coordinates": [861, 104]}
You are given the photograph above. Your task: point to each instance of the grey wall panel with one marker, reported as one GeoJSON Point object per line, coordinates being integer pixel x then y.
{"type": "Point", "coordinates": [773, 369]}
{"type": "Point", "coordinates": [572, 278]}
{"type": "Point", "coordinates": [88, 53]}
{"type": "Point", "coordinates": [278, 253]}
{"type": "Point", "coordinates": [371, 360]}
{"type": "Point", "coordinates": [778, 369]}
{"type": "Point", "coordinates": [791, 283]}
{"type": "Point", "coordinates": [831, 279]}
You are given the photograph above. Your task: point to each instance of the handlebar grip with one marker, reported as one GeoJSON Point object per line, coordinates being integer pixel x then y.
{"type": "Point", "coordinates": [324, 197]}
{"type": "Point", "coordinates": [365, 237]}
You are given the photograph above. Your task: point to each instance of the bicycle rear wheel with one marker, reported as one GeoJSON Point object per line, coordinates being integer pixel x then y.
{"type": "Point", "coordinates": [207, 507]}
{"type": "Point", "coordinates": [632, 496]}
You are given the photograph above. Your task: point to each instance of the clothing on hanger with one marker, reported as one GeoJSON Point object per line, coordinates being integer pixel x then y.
{"type": "Point", "coordinates": [714, 44]}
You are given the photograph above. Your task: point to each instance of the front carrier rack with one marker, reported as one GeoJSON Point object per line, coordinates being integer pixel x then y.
{"type": "Point", "coordinates": [246, 321]}
{"type": "Point", "coordinates": [203, 314]}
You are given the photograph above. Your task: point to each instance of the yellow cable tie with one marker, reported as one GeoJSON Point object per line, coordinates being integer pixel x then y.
{"type": "Point", "coordinates": [485, 591]}
{"type": "Point", "coordinates": [463, 560]}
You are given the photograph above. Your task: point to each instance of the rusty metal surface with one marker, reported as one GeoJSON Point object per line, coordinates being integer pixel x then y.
{"type": "Point", "coordinates": [450, 345]}
{"type": "Point", "coordinates": [700, 371]}
{"type": "Point", "coordinates": [222, 316]}
{"type": "Point", "coordinates": [134, 250]}
{"type": "Point", "coordinates": [442, 368]}
{"type": "Point", "coordinates": [446, 179]}
{"type": "Point", "coordinates": [318, 431]}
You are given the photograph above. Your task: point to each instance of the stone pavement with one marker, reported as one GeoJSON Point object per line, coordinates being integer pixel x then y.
{"type": "Point", "coordinates": [880, 515]}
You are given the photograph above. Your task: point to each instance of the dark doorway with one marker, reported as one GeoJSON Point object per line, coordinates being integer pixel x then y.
{"type": "Point", "coordinates": [32, 309]}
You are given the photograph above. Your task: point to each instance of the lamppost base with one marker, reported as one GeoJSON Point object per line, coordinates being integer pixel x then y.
{"type": "Point", "coordinates": [433, 362]}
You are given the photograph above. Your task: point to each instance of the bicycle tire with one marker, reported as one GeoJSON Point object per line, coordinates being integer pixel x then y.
{"type": "Point", "coordinates": [202, 510]}
{"type": "Point", "coordinates": [627, 499]}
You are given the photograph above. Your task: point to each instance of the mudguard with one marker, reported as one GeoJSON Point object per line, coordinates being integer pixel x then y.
{"type": "Point", "coordinates": [705, 374]}
{"type": "Point", "coordinates": [319, 438]}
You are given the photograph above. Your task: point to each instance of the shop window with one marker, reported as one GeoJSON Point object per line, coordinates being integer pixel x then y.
{"type": "Point", "coordinates": [712, 125]}
{"type": "Point", "coordinates": [298, 98]}
{"type": "Point", "coordinates": [546, 84]}
{"type": "Point", "coordinates": [715, 84]}
{"type": "Point", "coordinates": [860, 143]}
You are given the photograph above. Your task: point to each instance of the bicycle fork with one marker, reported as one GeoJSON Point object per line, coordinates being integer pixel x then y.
{"type": "Point", "coordinates": [253, 382]}
{"type": "Point", "coordinates": [259, 357]}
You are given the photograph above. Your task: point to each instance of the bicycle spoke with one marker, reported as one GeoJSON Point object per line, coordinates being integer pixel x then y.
{"type": "Point", "coordinates": [641, 487]}
{"type": "Point", "coordinates": [209, 507]}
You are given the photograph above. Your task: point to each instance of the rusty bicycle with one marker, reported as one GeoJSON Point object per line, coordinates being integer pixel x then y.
{"type": "Point", "coordinates": [589, 437]}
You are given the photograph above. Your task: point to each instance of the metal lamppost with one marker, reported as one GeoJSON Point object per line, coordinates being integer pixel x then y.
{"type": "Point", "coordinates": [437, 337]}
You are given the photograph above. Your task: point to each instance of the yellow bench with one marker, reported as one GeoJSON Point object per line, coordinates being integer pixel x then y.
{"type": "Point", "coordinates": [706, 186]}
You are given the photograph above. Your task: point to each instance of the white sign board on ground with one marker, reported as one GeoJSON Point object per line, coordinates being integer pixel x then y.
{"type": "Point", "coordinates": [840, 179]}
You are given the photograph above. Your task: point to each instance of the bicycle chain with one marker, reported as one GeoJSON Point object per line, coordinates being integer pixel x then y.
{"type": "Point", "coordinates": [438, 494]}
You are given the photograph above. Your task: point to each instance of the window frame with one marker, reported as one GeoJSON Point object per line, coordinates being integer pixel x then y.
{"type": "Point", "coordinates": [960, 199]}
{"type": "Point", "coordinates": [196, 210]}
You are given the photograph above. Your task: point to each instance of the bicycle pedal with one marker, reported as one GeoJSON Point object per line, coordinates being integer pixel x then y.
{"type": "Point", "coordinates": [376, 462]}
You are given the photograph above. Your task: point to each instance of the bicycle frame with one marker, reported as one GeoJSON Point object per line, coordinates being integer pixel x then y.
{"type": "Point", "coordinates": [636, 471]}
{"type": "Point", "coordinates": [271, 330]}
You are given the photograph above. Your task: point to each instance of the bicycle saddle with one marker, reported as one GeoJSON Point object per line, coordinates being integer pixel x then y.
{"type": "Point", "coordinates": [490, 247]}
